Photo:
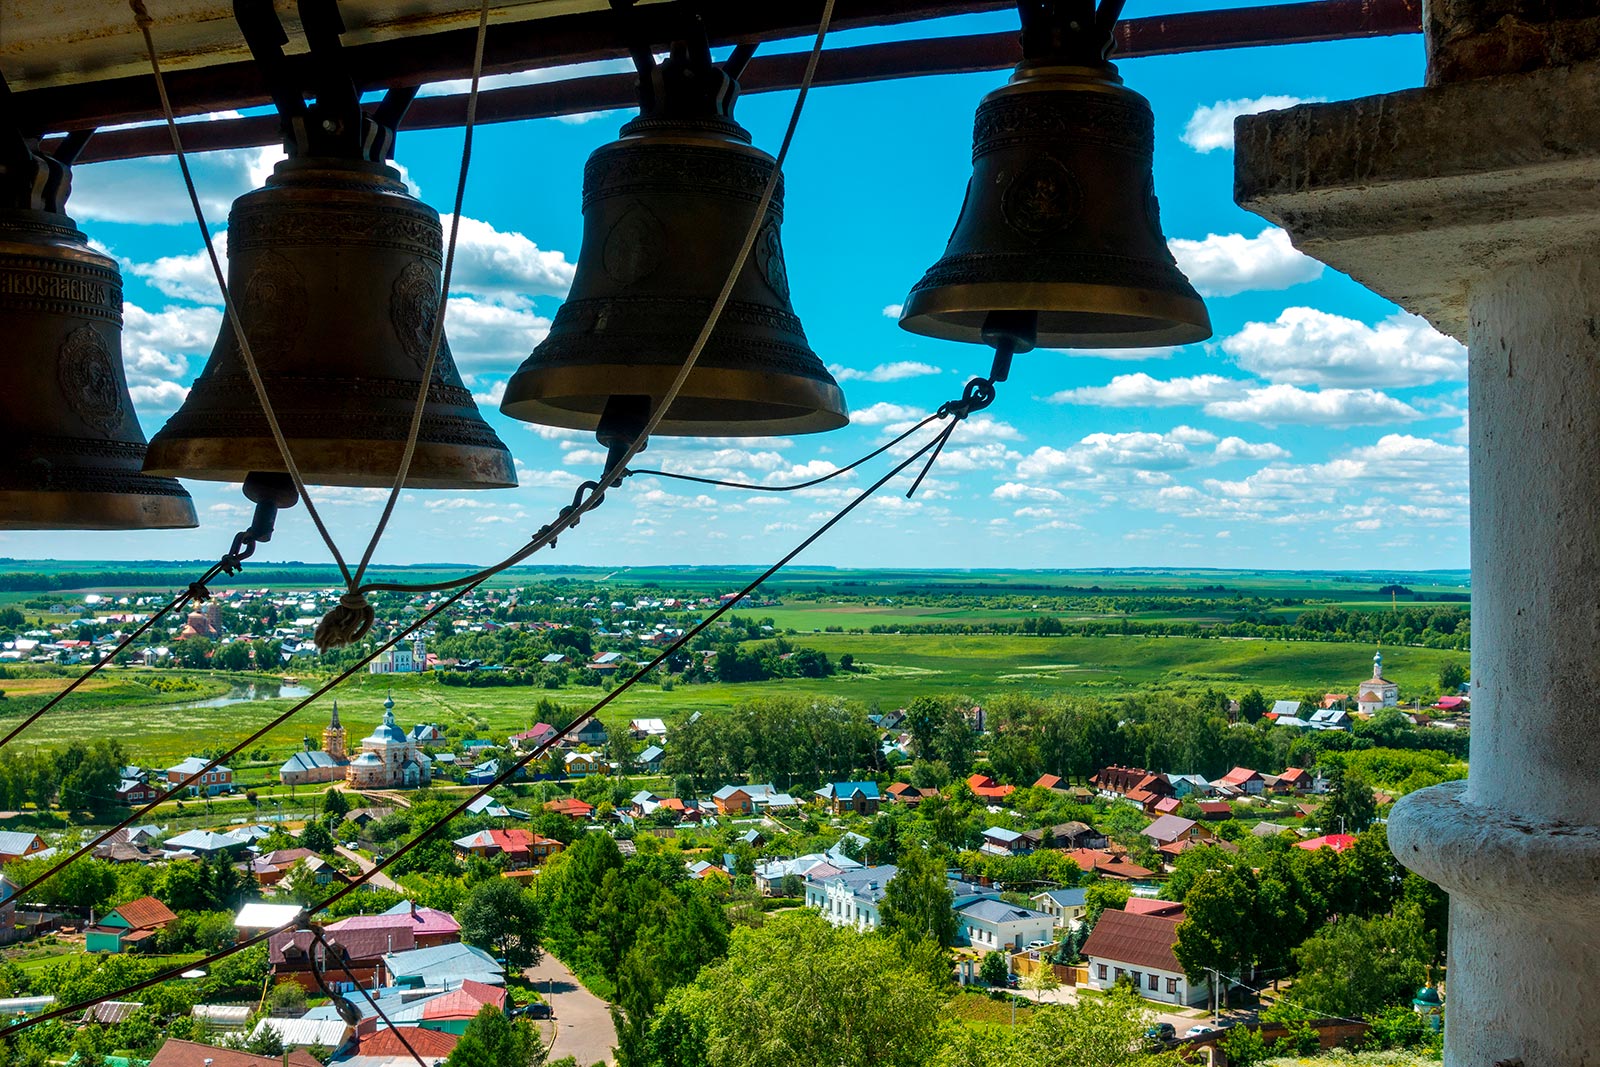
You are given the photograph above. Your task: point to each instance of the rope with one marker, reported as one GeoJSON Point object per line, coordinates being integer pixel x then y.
{"type": "Point", "coordinates": [242, 745]}
{"type": "Point", "coordinates": [345, 967]}
{"type": "Point", "coordinates": [617, 469]}
{"type": "Point", "coordinates": [437, 334]}
{"type": "Point", "coordinates": [142, 18]}
{"type": "Point", "coordinates": [505, 776]}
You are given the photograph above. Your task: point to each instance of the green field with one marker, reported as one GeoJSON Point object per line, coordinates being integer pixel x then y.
{"type": "Point", "coordinates": [895, 670]}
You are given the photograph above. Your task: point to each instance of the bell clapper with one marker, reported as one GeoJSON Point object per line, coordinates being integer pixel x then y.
{"type": "Point", "coordinates": [269, 492]}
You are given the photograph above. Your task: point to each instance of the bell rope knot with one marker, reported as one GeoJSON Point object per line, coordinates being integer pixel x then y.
{"type": "Point", "coordinates": [345, 624]}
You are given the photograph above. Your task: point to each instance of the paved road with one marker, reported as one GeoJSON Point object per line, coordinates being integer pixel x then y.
{"type": "Point", "coordinates": [380, 880]}
{"type": "Point", "coordinates": [582, 1020]}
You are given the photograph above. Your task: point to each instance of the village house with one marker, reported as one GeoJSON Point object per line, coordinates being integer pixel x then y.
{"type": "Point", "coordinates": [294, 955]}
{"type": "Point", "coordinates": [1066, 836]}
{"type": "Point", "coordinates": [441, 967]}
{"type": "Point", "coordinates": [571, 807]}
{"type": "Point", "coordinates": [128, 926]}
{"type": "Point", "coordinates": [539, 734]}
{"type": "Point", "coordinates": [136, 792]}
{"type": "Point", "coordinates": [271, 868]}
{"type": "Point", "coordinates": [643, 728]}
{"type": "Point", "coordinates": [1110, 864]}
{"type": "Point", "coordinates": [987, 788]}
{"type": "Point", "coordinates": [18, 844]}
{"type": "Point", "coordinates": [213, 782]}
{"type": "Point", "coordinates": [1140, 946]}
{"type": "Point", "coordinates": [1001, 927]}
{"type": "Point", "coordinates": [649, 761]}
{"type": "Point", "coordinates": [1172, 829]}
{"type": "Point", "coordinates": [1330, 719]}
{"type": "Point", "coordinates": [583, 764]}
{"type": "Point", "coordinates": [1065, 906]}
{"type": "Point", "coordinates": [849, 898]}
{"type": "Point", "coordinates": [999, 841]}
{"type": "Point", "coordinates": [1242, 780]}
{"type": "Point", "coordinates": [1134, 784]}
{"type": "Point", "coordinates": [176, 1052]}
{"type": "Point", "coordinates": [842, 798]}
{"type": "Point", "coordinates": [521, 848]}
{"type": "Point", "coordinates": [909, 795]}
{"type": "Point", "coordinates": [589, 734]}
{"type": "Point", "coordinates": [428, 926]}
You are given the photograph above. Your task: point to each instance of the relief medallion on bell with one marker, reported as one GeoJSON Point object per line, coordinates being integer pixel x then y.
{"type": "Point", "coordinates": [89, 380]}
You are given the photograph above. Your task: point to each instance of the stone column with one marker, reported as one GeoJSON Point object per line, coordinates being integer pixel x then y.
{"type": "Point", "coordinates": [1477, 204]}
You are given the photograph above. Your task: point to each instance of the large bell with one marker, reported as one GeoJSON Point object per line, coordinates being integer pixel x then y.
{"type": "Point", "coordinates": [334, 268]}
{"type": "Point", "coordinates": [1060, 217]}
{"type": "Point", "coordinates": [665, 210]}
{"type": "Point", "coordinates": [71, 441]}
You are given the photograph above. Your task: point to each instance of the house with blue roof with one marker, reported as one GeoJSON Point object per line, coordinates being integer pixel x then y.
{"type": "Point", "coordinates": [442, 967]}
{"type": "Point", "coordinates": [649, 761]}
{"type": "Point", "coordinates": [842, 798]}
{"type": "Point", "coordinates": [1066, 906]}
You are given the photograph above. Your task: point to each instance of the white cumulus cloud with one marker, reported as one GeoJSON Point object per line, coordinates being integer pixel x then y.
{"type": "Point", "coordinates": [1305, 346]}
{"type": "Point", "coordinates": [884, 372]}
{"type": "Point", "coordinates": [1223, 264]}
{"type": "Point", "coordinates": [498, 262]}
{"type": "Point", "coordinates": [1142, 390]}
{"type": "Point", "coordinates": [489, 334]}
{"type": "Point", "coordinates": [1211, 125]}
{"type": "Point", "coordinates": [1239, 448]}
{"type": "Point", "coordinates": [1275, 405]}
{"type": "Point", "coordinates": [883, 413]}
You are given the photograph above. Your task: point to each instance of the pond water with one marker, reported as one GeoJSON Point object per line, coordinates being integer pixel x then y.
{"type": "Point", "coordinates": [244, 694]}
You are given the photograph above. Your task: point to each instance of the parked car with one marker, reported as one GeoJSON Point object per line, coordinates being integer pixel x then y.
{"type": "Point", "coordinates": [1196, 1031]}
{"type": "Point", "coordinates": [1159, 1033]}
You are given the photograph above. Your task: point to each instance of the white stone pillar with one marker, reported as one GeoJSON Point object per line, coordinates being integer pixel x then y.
{"type": "Point", "coordinates": [1475, 204]}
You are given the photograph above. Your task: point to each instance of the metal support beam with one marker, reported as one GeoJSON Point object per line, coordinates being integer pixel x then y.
{"type": "Point", "coordinates": [1319, 20]}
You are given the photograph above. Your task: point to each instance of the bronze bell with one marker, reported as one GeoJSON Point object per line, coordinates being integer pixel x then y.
{"type": "Point", "coordinates": [334, 268]}
{"type": "Point", "coordinates": [1060, 217]}
{"type": "Point", "coordinates": [71, 441]}
{"type": "Point", "coordinates": [665, 210]}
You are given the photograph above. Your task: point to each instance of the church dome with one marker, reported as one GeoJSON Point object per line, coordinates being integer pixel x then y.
{"type": "Point", "coordinates": [388, 733]}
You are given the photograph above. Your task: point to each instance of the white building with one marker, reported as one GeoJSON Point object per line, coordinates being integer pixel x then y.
{"type": "Point", "coordinates": [1140, 948]}
{"type": "Point", "coordinates": [1065, 906]}
{"type": "Point", "coordinates": [1377, 692]}
{"type": "Point", "coordinates": [401, 660]}
{"type": "Point", "coordinates": [1001, 927]}
{"type": "Point", "coordinates": [849, 898]}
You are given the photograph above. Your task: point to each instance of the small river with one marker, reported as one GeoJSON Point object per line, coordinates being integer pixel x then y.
{"type": "Point", "coordinates": [243, 694]}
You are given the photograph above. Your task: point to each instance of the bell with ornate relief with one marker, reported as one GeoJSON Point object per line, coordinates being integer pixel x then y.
{"type": "Point", "coordinates": [72, 443]}
{"type": "Point", "coordinates": [1060, 219]}
{"type": "Point", "coordinates": [665, 210]}
{"type": "Point", "coordinates": [334, 269]}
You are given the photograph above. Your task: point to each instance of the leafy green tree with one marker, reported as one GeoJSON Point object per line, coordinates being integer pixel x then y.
{"type": "Point", "coordinates": [917, 900]}
{"type": "Point", "coordinates": [317, 838]}
{"type": "Point", "coordinates": [501, 915]}
{"type": "Point", "coordinates": [1101, 895]}
{"type": "Point", "coordinates": [1219, 930]}
{"type": "Point", "coordinates": [1104, 1031]}
{"type": "Point", "coordinates": [287, 998]}
{"type": "Point", "coordinates": [493, 1040]}
{"type": "Point", "coordinates": [1252, 706]}
{"type": "Point", "coordinates": [994, 969]}
{"type": "Point", "coordinates": [1452, 676]}
{"type": "Point", "coordinates": [799, 991]}
{"type": "Point", "coordinates": [1350, 805]}
{"type": "Point", "coordinates": [334, 802]}
{"type": "Point", "coordinates": [1356, 967]}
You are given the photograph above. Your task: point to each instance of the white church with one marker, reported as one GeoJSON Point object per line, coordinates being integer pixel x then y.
{"type": "Point", "coordinates": [1377, 692]}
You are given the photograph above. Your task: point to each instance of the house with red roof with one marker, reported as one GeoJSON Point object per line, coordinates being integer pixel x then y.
{"type": "Point", "coordinates": [571, 807]}
{"type": "Point", "coordinates": [520, 848]}
{"type": "Point", "coordinates": [384, 1048]}
{"type": "Point", "coordinates": [1132, 783]}
{"type": "Point", "coordinates": [1293, 780]}
{"type": "Point", "coordinates": [1048, 781]}
{"type": "Point", "coordinates": [1337, 842]}
{"type": "Point", "coordinates": [1140, 947]}
{"type": "Point", "coordinates": [128, 926]}
{"type": "Point", "coordinates": [294, 955]}
{"type": "Point", "coordinates": [176, 1052]}
{"type": "Point", "coordinates": [1109, 864]}
{"type": "Point", "coordinates": [984, 786]}
{"type": "Point", "coordinates": [1245, 780]}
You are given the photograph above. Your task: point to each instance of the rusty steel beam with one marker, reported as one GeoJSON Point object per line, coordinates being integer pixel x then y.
{"type": "Point", "coordinates": [1300, 23]}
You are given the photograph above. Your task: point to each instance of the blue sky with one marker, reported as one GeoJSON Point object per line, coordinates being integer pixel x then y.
{"type": "Point", "coordinates": [1320, 427]}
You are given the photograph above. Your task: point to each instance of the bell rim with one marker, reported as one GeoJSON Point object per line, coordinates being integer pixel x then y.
{"type": "Point", "coordinates": [343, 462]}
{"type": "Point", "coordinates": [929, 313]}
{"type": "Point", "coordinates": [20, 509]}
{"type": "Point", "coordinates": [529, 393]}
